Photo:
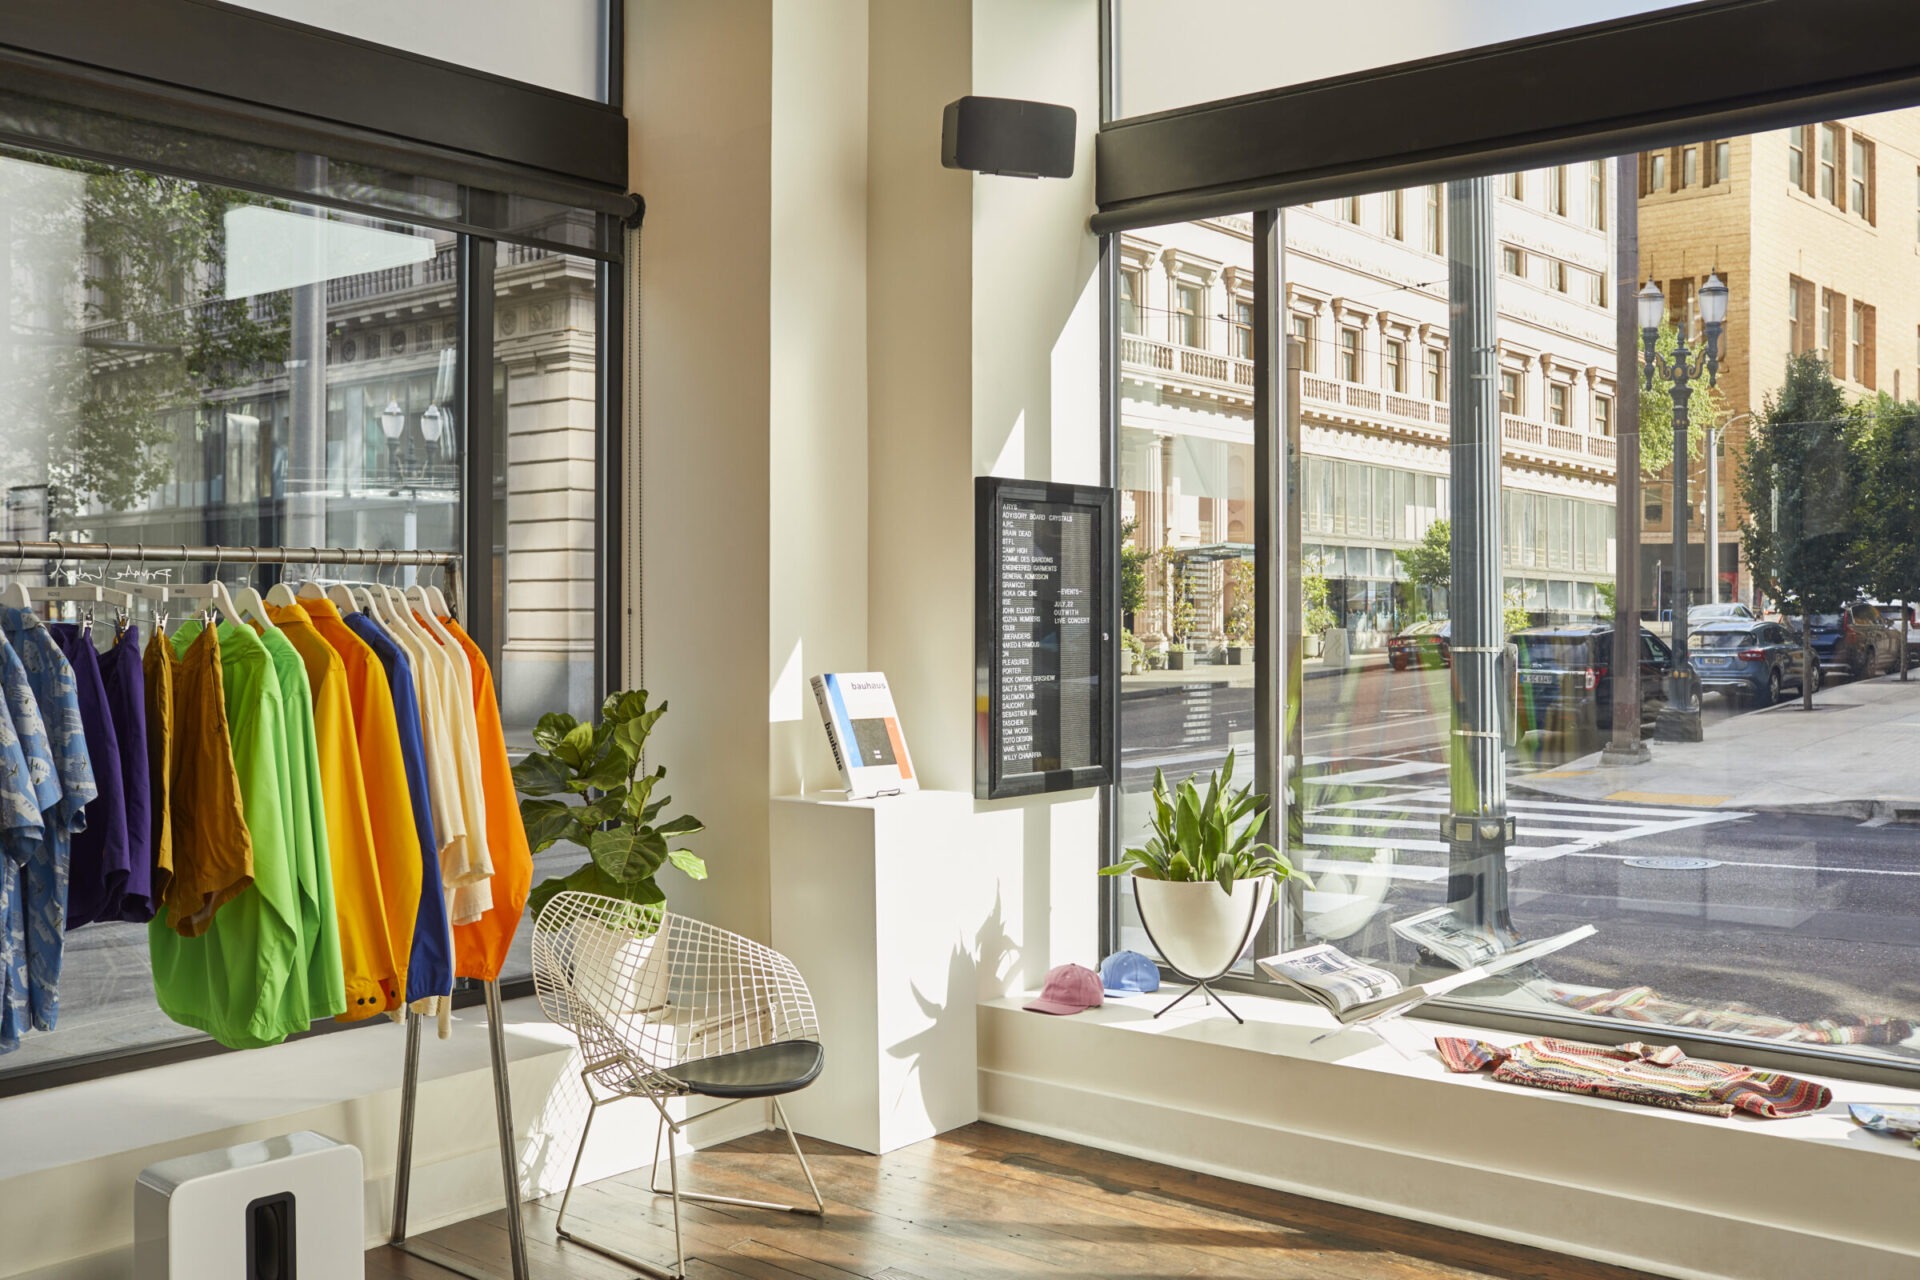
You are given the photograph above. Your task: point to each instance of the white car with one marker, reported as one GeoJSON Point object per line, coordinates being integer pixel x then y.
{"type": "Point", "coordinates": [1700, 613]}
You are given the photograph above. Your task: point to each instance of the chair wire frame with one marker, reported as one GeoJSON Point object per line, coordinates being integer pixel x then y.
{"type": "Point", "coordinates": [646, 991]}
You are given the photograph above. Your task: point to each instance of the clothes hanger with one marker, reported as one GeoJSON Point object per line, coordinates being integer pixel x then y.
{"type": "Point", "coordinates": [156, 594]}
{"type": "Point", "coordinates": [84, 595]}
{"type": "Point", "coordinates": [281, 595]}
{"type": "Point", "coordinates": [212, 593]}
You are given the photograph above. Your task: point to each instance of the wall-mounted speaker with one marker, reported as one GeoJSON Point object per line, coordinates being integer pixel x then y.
{"type": "Point", "coordinates": [1008, 136]}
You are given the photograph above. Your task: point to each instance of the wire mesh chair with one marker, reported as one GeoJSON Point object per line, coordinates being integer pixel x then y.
{"type": "Point", "coordinates": [666, 1007]}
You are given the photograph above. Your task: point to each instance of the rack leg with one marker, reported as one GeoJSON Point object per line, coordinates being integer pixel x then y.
{"type": "Point", "coordinates": [409, 1096]}
{"type": "Point", "coordinates": [509, 1170]}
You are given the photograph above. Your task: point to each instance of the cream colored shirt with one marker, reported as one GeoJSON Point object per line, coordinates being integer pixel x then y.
{"type": "Point", "coordinates": [474, 898]}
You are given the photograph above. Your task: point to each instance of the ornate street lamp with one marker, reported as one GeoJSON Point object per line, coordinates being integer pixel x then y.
{"type": "Point", "coordinates": [393, 421]}
{"type": "Point", "coordinates": [1680, 719]}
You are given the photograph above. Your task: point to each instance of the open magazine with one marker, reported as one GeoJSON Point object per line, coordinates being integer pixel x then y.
{"type": "Point", "coordinates": [1353, 991]}
{"type": "Point", "coordinates": [1460, 943]}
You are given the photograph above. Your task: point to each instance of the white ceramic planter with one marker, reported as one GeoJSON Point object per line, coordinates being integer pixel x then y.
{"type": "Point", "coordinates": [1199, 928]}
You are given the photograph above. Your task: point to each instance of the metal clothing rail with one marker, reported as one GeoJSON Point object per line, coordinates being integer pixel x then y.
{"type": "Point", "coordinates": [57, 552]}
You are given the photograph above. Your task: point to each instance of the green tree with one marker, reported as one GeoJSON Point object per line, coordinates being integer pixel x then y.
{"type": "Point", "coordinates": [1609, 600]}
{"type": "Point", "coordinates": [1429, 566]}
{"type": "Point", "coordinates": [1890, 506]}
{"type": "Point", "coordinates": [151, 336]}
{"type": "Point", "coordinates": [1705, 408]}
{"type": "Point", "coordinates": [1800, 480]}
{"type": "Point", "coordinates": [1134, 563]}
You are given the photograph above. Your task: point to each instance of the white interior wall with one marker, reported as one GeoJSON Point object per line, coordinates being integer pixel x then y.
{"type": "Point", "coordinates": [700, 97]}
{"type": "Point", "coordinates": [817, 314]}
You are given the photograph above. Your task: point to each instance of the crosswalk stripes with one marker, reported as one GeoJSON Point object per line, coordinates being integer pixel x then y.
{"type": "Point", "coordinates": [1402, 811]}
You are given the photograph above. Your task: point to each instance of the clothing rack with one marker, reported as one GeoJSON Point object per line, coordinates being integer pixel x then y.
{"type": "Point", "coordinates": [58, 552]}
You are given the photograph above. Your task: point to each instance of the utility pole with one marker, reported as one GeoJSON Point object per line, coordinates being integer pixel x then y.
{"type": "Point", "coordinates": [1625, 746]}
{"type": "Point", "coordinates": [1478, 828]}
{"type": "Point", "coordinates": [1711, 578]}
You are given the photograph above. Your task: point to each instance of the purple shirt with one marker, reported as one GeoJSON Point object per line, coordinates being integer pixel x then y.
{"type": "Point", "coordinates": [126, 683]}
{"type": "Point", "coordinates": [101, 858]}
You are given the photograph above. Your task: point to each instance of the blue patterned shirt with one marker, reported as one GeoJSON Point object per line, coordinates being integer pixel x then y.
{"type": "Point", "coordinates": [44, 877]}
{"type": "Point", "coordinates": [23, 797]}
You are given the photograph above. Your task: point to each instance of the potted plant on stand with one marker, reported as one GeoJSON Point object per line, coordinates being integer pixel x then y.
{"type": "Point", "coordinates": [611, 812]}
{"type": "Point", "coordinates": [1240, 614]}
{"type": "Point", "coordinates": [1318, 620]}
{"type": "Point", "coordinates": [1203, 881]}
{"type": "Point", "coordinates": [1183, 619]}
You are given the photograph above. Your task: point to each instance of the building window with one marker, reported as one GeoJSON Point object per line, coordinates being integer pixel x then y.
{"type": "Point", "coordinates": [1513, 261]}
{"type": "Point", "coordinates": [1436, 220]}
{"type": "Point", "coordinates": [1397, 214]}
{"type": "Point", "coordinates": [1557, 190]}
{"type": "Point", "coordinates": [1131, 281]}
{"type": "Point", "coordinates": [1517, 185]}
{"type": "Point", "coordinates": [1689, 166]}
{"type": "Point", "coordinates": [1916, 203]}
{"type": "Point", "coordinates": [1800, 315]}
{"type": "Point", "coordinates": [1603, 415]}
{"type": "Point", "coordinates": [1557, 274]}
{"type": "Point", "coordinates": [1350, 209]}
{"type": "Point", "coordinates": [1722, 162]}
{"type": "Point", "coordinates": [1243, 328]}
{"type": "Point", "coordinates": [1349, 354]}
{"type": "Point", "coordinates": [1832, 307]}
{"type": "Point", "coordinates": [1512, 402]}
{"type": "Point", "coordinates": [1597, 288]}
{"type": "Point", "coordinates": [1557, 393]}
{"type": "Point", "coordinates": [1396, 360]}
{"type": "Point", "coordinates": [1597, 195]}
{"type": "Point", "coordinates": [1797, 157]}
{"type": "Point", "coordinates": [1656, 172]}
{"type": "Point", "coordinates": [1830, 163]}
{"type": "Point", "coordinates": [1860, 178]}
{"type": "Point", "coordinates": [1863, 338]}
{"type": "Point", "coordinates": [1302, 330]}
{"type": "Point", "coordinates": [1436, 360]}
{"type": "Point", "coordinates": [1190, 314]}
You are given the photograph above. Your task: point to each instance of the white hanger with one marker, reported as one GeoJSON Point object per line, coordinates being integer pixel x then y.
{"type": "Point", "coordinates": [433, 602]}
{"type": "Point", "coordinates": [281, 595]}
{"type": "Point", "coordinates": [15, 595]}
{"type": "Point", "coordinates": [248, 599]}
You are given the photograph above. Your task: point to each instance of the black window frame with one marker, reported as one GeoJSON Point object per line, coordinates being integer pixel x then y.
{"type": "Point", "coordinates": [1586, 93]}
{"type": "Point", "coordinates": [500, 139]}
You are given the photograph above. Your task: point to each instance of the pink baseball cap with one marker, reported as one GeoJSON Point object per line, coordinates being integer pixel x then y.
{"type": "Point", "coordinates": [1069, 988]}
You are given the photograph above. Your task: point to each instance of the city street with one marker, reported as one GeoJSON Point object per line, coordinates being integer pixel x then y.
{"type": "Point", "coordinates": [1807, 917]}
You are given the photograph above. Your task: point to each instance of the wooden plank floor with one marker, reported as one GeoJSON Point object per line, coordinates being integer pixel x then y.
{"type": "Point", "coordinates": [984, 1203]}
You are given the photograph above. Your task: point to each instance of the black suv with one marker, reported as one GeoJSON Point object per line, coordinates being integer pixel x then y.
{"type": "Point", "coordinates": [1566, 677]}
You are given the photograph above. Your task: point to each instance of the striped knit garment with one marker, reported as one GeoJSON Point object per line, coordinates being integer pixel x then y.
{"type": "Point", "coordinates": [1644, 1004]}
{"type": "Point", "coordinates": [1640, 1074]}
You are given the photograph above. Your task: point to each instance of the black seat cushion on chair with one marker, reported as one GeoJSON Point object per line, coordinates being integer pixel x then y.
{"type": "Point", "coordinates": [753, 1073]}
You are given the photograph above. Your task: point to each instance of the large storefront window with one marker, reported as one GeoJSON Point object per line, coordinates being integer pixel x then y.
{"type": "Point", "coordinates": [1745, 867]}
{"type": "Point", "coordinates": [188, 364]}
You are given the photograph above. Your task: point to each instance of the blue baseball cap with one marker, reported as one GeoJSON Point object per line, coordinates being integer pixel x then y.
{"type": "Point", "coordinates": [1128, 973]}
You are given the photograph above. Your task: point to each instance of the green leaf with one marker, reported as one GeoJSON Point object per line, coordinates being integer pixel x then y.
{"type": "Point", "coordinates": [684, 825]}
{"type": "Point", "coordinates": [552, 727]}
{"type": "Point", "coordinates": [606, 773]}
{"type": "Point", "coordinates": [584, 879]}
{"type": "Point", "coordinates": [689, 864]}
{"type": "Point", "coordinates": [541, 775]}
{"type": "Point", "coordinates": [627, 855]}
{"type": "Point", "coordinates": [573, 749]}
{"type": "Point", "coordinates": [549, 820]}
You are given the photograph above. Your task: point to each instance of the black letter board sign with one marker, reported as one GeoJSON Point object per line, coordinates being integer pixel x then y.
{"type": "Point", "coordinates": [1046, 590]}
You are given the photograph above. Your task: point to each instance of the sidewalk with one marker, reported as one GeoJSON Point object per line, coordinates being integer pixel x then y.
{"type": "Point", "coordinates": [1854, 756]}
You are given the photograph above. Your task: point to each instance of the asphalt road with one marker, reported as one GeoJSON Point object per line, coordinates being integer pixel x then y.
{"type": "Point", "coordinates": [1804, 917]}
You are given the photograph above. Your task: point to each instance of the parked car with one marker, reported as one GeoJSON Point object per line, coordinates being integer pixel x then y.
{"type": "Point", "coordinates": [1753, 660]}
{"type": "Point", "coordinates": [1424, 644]}
{"type": "Point", "coordinates": [1903, 618]}
{"type": "Point", "coordinates": [1703, 613]}
{"type": "Point", "coordinates": [1566, 676]}
{"type": "Point", "coordinates": [1853, 642]}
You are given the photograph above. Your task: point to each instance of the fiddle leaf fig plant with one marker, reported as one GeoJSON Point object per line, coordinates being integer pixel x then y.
{"type": "Point", "coordinates": [1200, 837]}
{"type": "Point", "coordinates": [587, 784]}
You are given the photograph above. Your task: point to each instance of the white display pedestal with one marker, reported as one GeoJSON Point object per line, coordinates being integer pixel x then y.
{"type": "Point", "coordinates": [870, 901]}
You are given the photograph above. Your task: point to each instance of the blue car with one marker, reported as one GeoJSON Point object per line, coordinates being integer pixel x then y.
{"type": "Point", "coordinates": [1750, 660]}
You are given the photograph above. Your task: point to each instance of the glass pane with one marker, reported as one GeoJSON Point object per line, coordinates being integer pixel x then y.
{"type": "Point", "coordinates": [1172, 53]}
{"type": "Point", "coordinates": [188, 364]}
{"type": "Point", "coordinates": [1720, 908]}
{"type": "Point", "coordinates": [1186, 510]}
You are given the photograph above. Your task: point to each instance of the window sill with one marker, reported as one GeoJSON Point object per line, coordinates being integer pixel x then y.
{"type": "Point", "coordinates": [1350, 1119]}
